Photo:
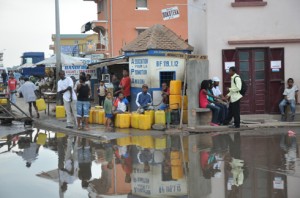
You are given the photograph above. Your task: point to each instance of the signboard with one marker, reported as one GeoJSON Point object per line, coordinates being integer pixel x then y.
{"type": "Point", "coordinates": [278, 183]}
{"type": "Point", "coordinates": [150, 183]}
{"type": "Point", "coordinates": [186, 56]}
{"type": "Point", "coordinates": [139, 71]}
{"type": "Point", "coordinates": [276, 64]}
{"type": "Point", "coordinates": [170, 13]}
{"type": "Point", "coordinates": [75, 71]}
{"type": "Point", "coordinates": [228, 65]}
{"type": "Point", "coordinates": [70, 49]}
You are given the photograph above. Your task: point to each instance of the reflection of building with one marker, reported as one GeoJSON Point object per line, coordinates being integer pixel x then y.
{"type": "Point", "coordinates": [76, 44]}
{"type": "Point", "coordinates": [119, 22]}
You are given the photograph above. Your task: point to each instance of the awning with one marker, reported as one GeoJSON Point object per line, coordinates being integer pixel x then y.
{"type": "Point", "coordinates": [109, 61]}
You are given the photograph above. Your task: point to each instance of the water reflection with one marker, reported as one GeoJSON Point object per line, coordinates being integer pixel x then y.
{"type": "Point", "coordinates": [208, 165]}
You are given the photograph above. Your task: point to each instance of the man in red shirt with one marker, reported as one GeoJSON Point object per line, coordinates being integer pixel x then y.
{"type": "Point", "coordinates": [125, 85]}
{"type": "Point", "coordinates": [12, 88]}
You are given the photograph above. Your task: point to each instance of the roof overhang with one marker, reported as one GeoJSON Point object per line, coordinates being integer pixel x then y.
{"type": "Point", "coordinates": [108, 62]}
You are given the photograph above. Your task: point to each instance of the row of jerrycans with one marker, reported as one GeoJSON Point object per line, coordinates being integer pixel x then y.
{"type": "Point", "coordinates": [127, 120]}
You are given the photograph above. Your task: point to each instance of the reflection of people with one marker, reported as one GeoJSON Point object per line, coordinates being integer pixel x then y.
{"type": "Point", "coordinates": [30, 152]}
{"type": "Point", "coordinates": [85, 162]}
{"type": "Point", "coordinates": [68, 172]}
{"type": "Point", "coordinates": [288, 144]}
{"type": "Point", "coordinates": [145, 157]}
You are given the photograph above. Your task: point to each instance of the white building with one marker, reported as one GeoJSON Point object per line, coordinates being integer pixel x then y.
{"type": "Point", "coordinates": [261, 38]}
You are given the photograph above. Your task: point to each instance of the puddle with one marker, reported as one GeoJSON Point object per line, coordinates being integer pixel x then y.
{"type": "Point", "coordinates": [45, 164]}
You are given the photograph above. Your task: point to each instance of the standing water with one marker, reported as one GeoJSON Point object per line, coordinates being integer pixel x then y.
{"type": "Point", "coordinates": [259, 164]}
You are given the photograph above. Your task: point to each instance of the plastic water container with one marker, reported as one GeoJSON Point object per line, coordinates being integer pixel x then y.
{"type": "Point", "coordinates": [135, 120]}
{"type": "Point", "coordinates": [176, 158]}
{"type": "Point", "coordinates": [95, 116]}
{"type": "Point", "coordinates": [60, 112]}
{"type": "Point", "coordinates": [177, 172]}
{"type": "Point", "coordinates": [3, 101]}
{"type": "Point", "coordinates": [124, 120]}
{"type": "Point", "coordinates": [160, 117]}
{"type": "Point", "coordinates": [41, 139]}
{"type": "Point", "coordinates": [146, 142]}
{"type": "Point", "coordinates": [60, 135]}
{"type": "Point", "coordinates": [124, 141]}
{"type": "Point", "coordinates": [160, 143]}
{"type": "Point", "coordinates": [91, 115]}
{"type": "Point", "coordinates": [185, 117]}
{"type": "Point", "coordinates": [41, 104]}
{"type": "Point", "coordinates": [175, 87]}
{"type": "Point", "coordinates": [152, 116]}
{"type": "Point", "coordinates": [135, 139]}
{"type": "Point", "coordinates": [145, 122]}
{"type": "Point", "coordinates": [185, 103]}
{"type": "Point", "coordinates": [175, 101]}
{"type": "Point", "coordinates": [117, 118]}
{"type": "Point", "coordinates": [101, 117]}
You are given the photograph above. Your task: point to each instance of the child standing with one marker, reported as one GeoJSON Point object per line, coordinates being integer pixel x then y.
{"type": "Point", "coordinates": [108, 104]}
{"type": "Point", "coordinates": [101, 93]}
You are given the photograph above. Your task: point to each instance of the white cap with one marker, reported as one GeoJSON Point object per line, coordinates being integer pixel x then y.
{"type": "Point", "coordinates": [215, 79]}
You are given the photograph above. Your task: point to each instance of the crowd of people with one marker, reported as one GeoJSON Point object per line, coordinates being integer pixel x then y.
{"type": "Point", "coordinates": [76, 97]}
{"type": "Point", "coordinates": [223, 108]}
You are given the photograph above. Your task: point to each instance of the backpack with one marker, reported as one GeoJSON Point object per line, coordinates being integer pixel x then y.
{"type": "Point", "coordinates": [244, 86]}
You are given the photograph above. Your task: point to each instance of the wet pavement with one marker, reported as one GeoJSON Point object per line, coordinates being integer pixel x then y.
{"type": "Point", "coordinates": [259, 164]}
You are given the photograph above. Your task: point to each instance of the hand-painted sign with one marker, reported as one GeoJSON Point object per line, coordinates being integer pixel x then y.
{"type": "Point", "coordinates": [139, 71]}
{"type": "Point", "coordinates": [75, 71]}
{"type": "Point", "coordinates": [170, 13]}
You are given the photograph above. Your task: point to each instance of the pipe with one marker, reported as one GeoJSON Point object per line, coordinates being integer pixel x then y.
{"type": "Point", "coordinates": [111, 29]}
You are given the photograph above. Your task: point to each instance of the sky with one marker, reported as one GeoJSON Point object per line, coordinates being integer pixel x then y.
{"type": "Point", "coordinates": [27, 25]}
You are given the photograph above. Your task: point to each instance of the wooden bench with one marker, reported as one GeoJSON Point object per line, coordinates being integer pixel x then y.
{"type": "Point", "coordinates": [201, 116]}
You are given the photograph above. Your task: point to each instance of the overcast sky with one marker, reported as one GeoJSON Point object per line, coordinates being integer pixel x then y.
{"type": "Point", "coordinates": [27, 25]}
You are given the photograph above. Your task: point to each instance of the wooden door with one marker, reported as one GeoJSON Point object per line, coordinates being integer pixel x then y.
{"type": "Point", "coordinates": [252, 66]}
{"type": "Point", "coordinates": [276, 80]}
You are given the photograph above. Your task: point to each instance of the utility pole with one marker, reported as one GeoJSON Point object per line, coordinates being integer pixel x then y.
{"type": "Point", "coordinates": [57, 46]}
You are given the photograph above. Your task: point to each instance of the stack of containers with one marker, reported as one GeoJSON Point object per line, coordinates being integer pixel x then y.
{"type": "Point", "coordinates": [175, 94]}
{"type": "Point", "coordinates": [176, 165]}
{"type": "Point", "coordinates": [175, 101]}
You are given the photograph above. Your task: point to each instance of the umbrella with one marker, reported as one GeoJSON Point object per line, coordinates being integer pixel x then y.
{"type": "Point", "coordinates": [65, 60]}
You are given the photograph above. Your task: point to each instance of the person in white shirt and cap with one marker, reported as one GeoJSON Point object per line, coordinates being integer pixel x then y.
{"type": "Point", "coordinates": [65, 87]}
{"type": "Point", "coordinates": [216, 89]}
{"type": "Point", "coordinates": [220, 99]}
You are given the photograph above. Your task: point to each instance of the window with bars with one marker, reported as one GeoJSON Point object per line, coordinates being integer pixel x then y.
{"type": "Point", "coordinates": [141, 4]}
{"type": "Point", "coordinates": [166, 77]}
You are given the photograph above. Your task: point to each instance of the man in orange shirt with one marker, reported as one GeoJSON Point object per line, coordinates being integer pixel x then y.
{"type": "Point", "coordinates": [12, 88]}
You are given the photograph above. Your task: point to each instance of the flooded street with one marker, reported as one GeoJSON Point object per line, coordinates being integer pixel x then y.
{"type": "Point", "coordinates": [260, 164]}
